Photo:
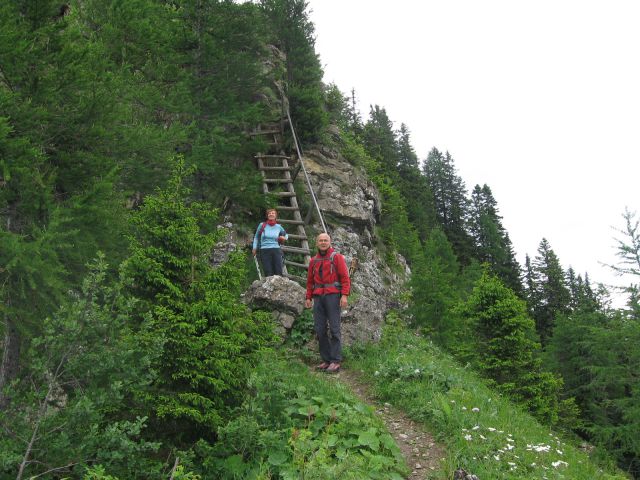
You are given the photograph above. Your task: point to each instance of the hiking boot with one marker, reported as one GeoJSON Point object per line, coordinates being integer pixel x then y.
{"type": "Point", "coordinates": [323, 366]}
{"type": "Point", "coordinates": [334, 367]}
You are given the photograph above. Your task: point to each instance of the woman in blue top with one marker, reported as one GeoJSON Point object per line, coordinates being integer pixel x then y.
{"type": "Point", "coordinates": [269, 235]}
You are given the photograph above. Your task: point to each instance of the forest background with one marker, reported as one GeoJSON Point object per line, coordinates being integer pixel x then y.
{"type": "Point", "coordinates": [123, 138]}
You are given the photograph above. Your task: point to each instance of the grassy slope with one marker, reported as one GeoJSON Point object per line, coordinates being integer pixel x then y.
{"type": "Point", "coordinates": [483, 433]}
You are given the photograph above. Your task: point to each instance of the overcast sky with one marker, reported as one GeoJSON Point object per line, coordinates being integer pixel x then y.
{"type": "Point", "coordinates": [539, 99]}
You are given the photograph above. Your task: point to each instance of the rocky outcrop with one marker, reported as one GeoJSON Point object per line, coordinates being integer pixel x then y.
{"type": "Point", "coordinates": [284, 298]}
{"type": "Point", "coordinates": [343, 193]}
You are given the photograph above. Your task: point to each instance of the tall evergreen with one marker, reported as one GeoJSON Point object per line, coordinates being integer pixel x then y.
{"type": "Point", "coordinates": [435, 289]}
{"type": "Point", "coordinates": [492, 242]}
{"type": "Point", "coordinates": [294, 34]}
{"type": "Point", "coordinates": [550, 295]}
{"type": "Point", "coordinates": [503, 348]}
{"type": "Point", "coordinates": [380, 141]}
{"type": "Point", "coordinates": [450, 200]}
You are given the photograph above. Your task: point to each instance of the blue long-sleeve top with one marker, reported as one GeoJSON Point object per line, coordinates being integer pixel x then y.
{"type": "Point", "coordinates": [269, 236]}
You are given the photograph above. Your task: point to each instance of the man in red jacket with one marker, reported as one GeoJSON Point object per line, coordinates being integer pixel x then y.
{"type": "Point", "coordinates": [328, 284]}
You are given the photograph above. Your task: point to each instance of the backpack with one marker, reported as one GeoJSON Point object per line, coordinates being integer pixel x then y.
{"type": "Point", "coordinates": [332, 269]}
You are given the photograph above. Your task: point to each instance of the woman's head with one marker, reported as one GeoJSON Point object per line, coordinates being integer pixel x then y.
{"type": "Point", "coordinates": [272, 213]}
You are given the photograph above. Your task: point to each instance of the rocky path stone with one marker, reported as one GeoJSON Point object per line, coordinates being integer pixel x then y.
{"type": "Point", "coordinates": [422, 453]}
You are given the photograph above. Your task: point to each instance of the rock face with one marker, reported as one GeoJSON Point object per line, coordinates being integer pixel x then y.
{"type": "Point", "coordinates": [351, 208]}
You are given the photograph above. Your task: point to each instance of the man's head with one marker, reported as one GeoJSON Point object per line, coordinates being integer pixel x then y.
{"type": "Point", "coordinates": [323, 242]}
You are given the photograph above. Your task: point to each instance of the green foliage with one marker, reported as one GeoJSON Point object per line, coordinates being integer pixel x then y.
{"type": "Point", "coordinates": [503, 348]}
{"type": "Point", "coordinates": [435, 290]}
{"type": "Point", "coordinates": [72, 401]}
{"type": "Point", "coordinates": [296, 425]}
{"type": "Point", "coordinates": [189, 312]}
{"type": "Point", "coordinates": [548, 295]}
{"type": "Point", "coordinates": [294, 34]}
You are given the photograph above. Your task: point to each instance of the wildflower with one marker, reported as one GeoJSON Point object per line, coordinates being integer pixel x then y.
{"type": "Point", "coordinates": [559, 463]}
{"type": "Point", "coordinates": [416, 371]}
{"type": "Point", "coordinates": [497, 457]}
{"type": "Point", "coordinates": [491, 429]}
{"type": "Point", "coordinates": [483, 437]}
{"type": "Point", "coordinates": [509, 447]}
{"type": "Point", "coordinates": [475, 409]}
{"type": "Point", "coordinates": [476, 427]}
{"type": "Point", "coordinates": [559, 451]}
{"type": "Point", "coordinates": [464, 408]}
{"type": "Point", "coordinates": [468, 437]}
{"type": "Point", "coordinates": [376, 373]}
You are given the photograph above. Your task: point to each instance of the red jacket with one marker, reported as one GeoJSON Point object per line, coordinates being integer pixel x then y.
{"type": "Point", "coordinates": [322, 276]}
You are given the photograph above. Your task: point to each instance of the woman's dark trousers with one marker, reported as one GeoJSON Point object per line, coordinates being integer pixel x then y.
{"type": "Point", "coordinates": [271, 259]}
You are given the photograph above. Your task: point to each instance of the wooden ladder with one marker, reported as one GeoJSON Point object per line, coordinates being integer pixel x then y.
{"type": "Point", "coordinates": [278, 174]}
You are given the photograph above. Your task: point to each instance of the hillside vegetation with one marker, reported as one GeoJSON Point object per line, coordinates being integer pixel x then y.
{"type": "Point", "coordinates": [126, 354]}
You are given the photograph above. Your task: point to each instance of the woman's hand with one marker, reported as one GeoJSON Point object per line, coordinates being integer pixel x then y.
{"type": "Point", "coordinates": [281, 239]}
{"type": "Point", "coordinates": [254, 251]}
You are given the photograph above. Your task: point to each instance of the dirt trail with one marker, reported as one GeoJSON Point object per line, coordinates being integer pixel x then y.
{"type": "Point", "coordinates": [422, 453]}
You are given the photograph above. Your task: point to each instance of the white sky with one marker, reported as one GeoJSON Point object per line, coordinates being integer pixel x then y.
{"type": "Point", "coordinates": [538, 99]}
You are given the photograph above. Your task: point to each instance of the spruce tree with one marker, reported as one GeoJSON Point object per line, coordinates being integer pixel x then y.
{"type": "Point", "coordinates": [189, 313]}
{"type": "Point", "coordinates": [504, 350]}
{"type": "Point", "coordinates": [450, 201]}
{"type": "Point", "coordinates": [551, 295]}
{"type": "Point", "coordinates": [492, 242]}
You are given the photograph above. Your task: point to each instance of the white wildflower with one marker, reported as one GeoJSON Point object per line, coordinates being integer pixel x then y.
{"type": "Point", "coordinates": [491, 429]}
{"type": "Point", "coordinates": [468, 437]}
{"type": "Point", "coordinates": [476, 427]}
{"type": "Point", "coordinates": [497, 457]}
{"type": "Point", "coordinates": [416, 371]}
{"type": "Point", "coordinates": [559, 451]}
{"type": "Point", "coordinates": [509, 446]}
{"type": "Point", "coordinates": [483, 437]}
{"type": "Point", "coordinates": [464, 408]}
{"type": "Point", "coordinates": [376, 373]}
{"type": "Point", "coordinates": [475, 409]}
{"type": "Point", "coordinates": [559, 463]}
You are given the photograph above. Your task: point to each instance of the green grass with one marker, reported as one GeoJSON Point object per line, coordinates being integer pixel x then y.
{"type": "Point", "coordinates": [483, 433]}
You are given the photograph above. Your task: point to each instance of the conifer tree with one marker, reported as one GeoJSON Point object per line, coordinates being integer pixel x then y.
{"type": "Point", "coordinates": [380, 141]}
{"type": "Point", "coordinates": [434, 286]}
{"type": "Point", "coordinates": [504, 350]}
{"type": "Point", "coordinates": [551, 295]}
{"type": "Point", "coordinates": [492, 242]}
{"type": "Point", "coordinates": [294, 34]}
{"type": "Point", "coordinates": [450, 201]}
{"type": "Point", "coordinates": [189, 313]}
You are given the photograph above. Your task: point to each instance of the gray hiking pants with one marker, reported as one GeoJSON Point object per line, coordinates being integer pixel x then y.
{"type": "Point", "coordinates": [326, 319]}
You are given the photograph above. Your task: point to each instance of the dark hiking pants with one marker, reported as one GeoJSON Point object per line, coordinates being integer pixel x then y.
{"type": "Point", "coordinates": [271, 259]}
{"type": "Point", "coordinates": [326, 319]}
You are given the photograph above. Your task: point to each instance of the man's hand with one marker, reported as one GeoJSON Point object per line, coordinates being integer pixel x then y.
{"type": "Point", "coordinates": [343, 301]}
{"type": "Point", "coordinates": [307, 303]}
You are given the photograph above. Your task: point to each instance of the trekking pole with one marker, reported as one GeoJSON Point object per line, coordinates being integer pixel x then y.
{"type": "Point", "coordinates": [255, 259]}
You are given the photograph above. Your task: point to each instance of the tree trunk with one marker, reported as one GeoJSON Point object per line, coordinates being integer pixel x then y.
{"type": "Point", "coordinates": [10, 358]}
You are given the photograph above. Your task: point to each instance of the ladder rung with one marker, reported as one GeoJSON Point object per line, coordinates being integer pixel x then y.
{"type": "Point", "coordinates": [283, 208]}
{"type": "Point", "coordinates": [295, 264]}
{"type": "Point", "coordinates": [283, 194]}
{"type": "Point", "coordinates": [283, 169]}
{"type": "Point", "coordinates": [272, 156]}
{"type": "Point", "coordinates": [277, 180]}
{"type": "Point", "coordinates": [305, 251]}
{"type": "Point", "coordinates": [295, 277]}
{"type": "Point", "coordinates": [297, 237]}
{"type": "Point", "coordinates": [291, 222]}
{"type": "Point", "coordinates": [265, 132]}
